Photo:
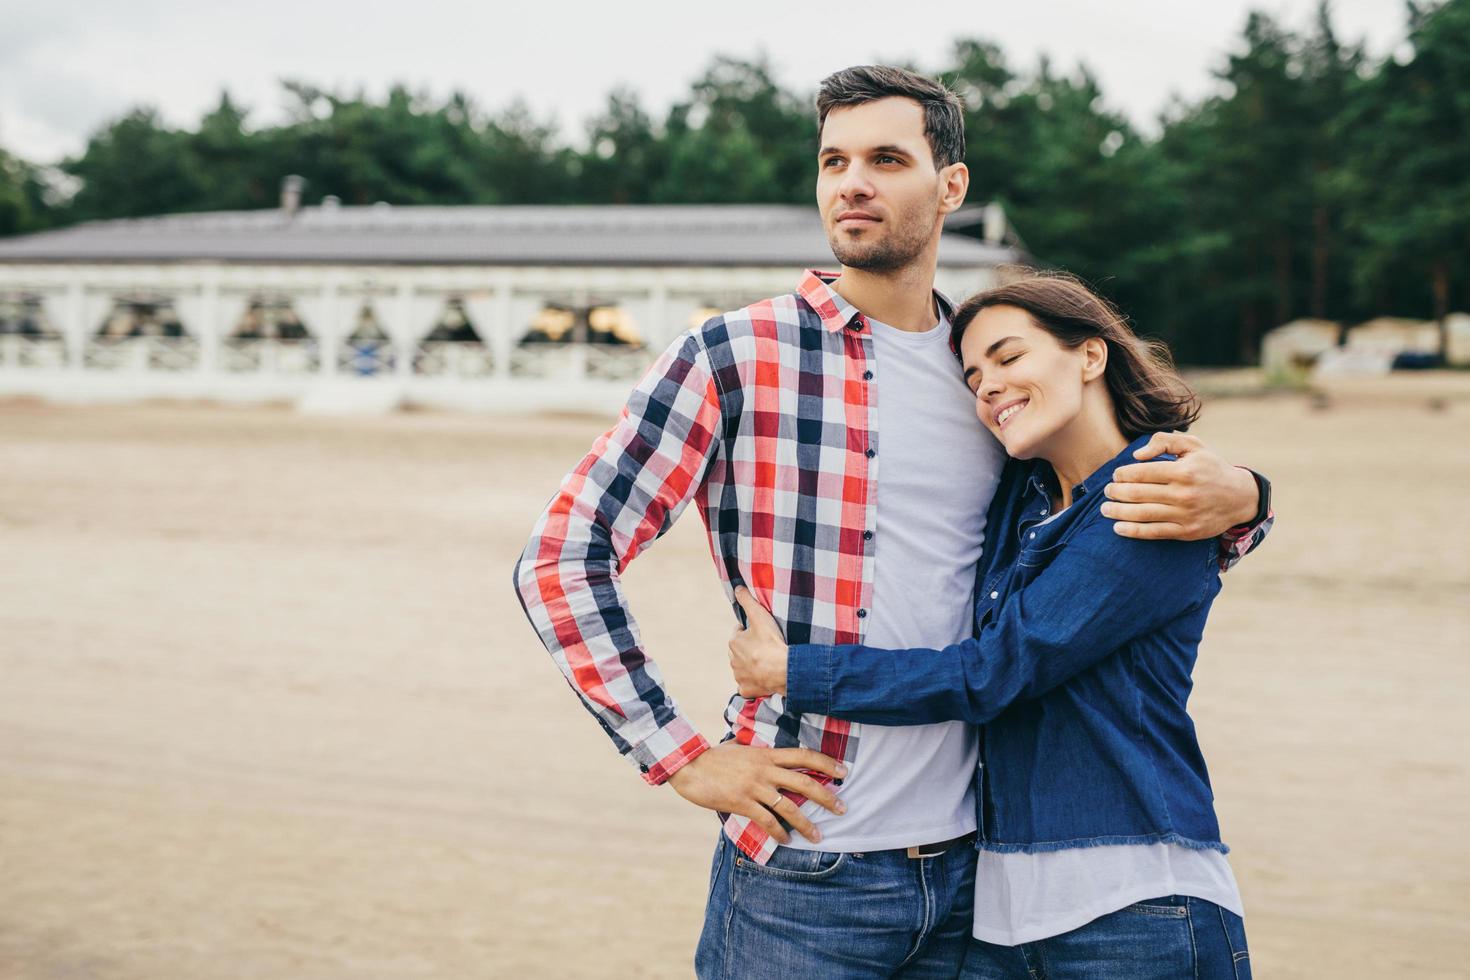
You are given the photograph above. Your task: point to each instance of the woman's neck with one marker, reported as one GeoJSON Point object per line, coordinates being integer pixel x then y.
{"type": "Point", "coordinates": [1079, 448]}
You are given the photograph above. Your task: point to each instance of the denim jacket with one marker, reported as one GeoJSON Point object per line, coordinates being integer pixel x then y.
{"type": "Point", "coordinates": [1079, 674]}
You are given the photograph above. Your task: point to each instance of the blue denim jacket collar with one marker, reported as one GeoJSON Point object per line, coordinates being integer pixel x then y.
{"type": "Point", "coordinates": [1043, 481]}
{"type": "Point", "coordinates": [1036, 486]}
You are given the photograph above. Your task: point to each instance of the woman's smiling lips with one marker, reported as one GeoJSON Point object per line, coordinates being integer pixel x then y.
{"type": "Point", "coordinates": [1005, 412]}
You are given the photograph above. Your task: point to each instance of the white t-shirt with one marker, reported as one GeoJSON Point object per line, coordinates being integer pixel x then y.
{"type": "Point", "coordinates": [937, 469]}
{"type": "Point", "coordinates": [1023, 898]}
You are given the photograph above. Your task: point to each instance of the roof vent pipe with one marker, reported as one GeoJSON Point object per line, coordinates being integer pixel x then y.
{"type": "Point", "coordinates": [995, 223]}
{"type": "Point", "coordinates": [291, 187]}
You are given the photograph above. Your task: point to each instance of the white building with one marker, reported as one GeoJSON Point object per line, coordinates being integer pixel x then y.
{"type": "Point", "coordinates": [1298, 344]}
{"type": "Point", "coordinates": [1390, 336]}
{"type": "Point", "coordinates": [514, 308]}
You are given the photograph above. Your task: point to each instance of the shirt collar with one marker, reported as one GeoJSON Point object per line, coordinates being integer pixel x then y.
{"type": "Point", "coordinates": [1043, 481]}
{"type": "Point", "coordinates": [836, 312]}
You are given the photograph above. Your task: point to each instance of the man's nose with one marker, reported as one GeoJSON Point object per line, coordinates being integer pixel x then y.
{"type": "Point", "coordinates": [855, 185]}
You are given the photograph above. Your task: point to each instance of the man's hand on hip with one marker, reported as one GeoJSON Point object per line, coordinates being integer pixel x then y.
{"type": "Point", "coordinates": [734, 778]}
{"type": "Point", "coordinates": [1193, 498]}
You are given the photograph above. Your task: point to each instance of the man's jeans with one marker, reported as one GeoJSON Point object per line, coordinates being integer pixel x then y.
{"type": "Point", "coordinates": [825, 914]}
{"type": "Point", "coordinates": [1160, 939]}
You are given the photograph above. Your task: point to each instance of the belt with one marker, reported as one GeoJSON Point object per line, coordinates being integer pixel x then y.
{"type": "Point", "coordinates": [934, 850]}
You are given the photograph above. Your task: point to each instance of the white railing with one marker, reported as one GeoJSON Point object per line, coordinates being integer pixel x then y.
{"type": "Point", "coordinates": [453, 359]}
{"type": "Point", "coordinates": [548, 361]}
{"type": "Point", "coordinates": [267, 356]}
{"type": "Point", "coordinates": [20, 351]}
{"type": "Point", "coordinates": [609, 363]}
{"type": "Point", "coordinates": [460, 360]}
{"type": "Point", "coordinates": [600, 362]}
{"type": "Point", "coordinates": [366, 357]}
{"type": "Point", "coordinates": [140, 354]}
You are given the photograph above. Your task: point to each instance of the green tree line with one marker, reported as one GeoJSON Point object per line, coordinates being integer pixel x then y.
{"type": "Point", "coordinates": [1316, 181]}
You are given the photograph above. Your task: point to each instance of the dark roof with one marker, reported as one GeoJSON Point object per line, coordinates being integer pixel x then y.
{"type": "Point", "coordinates": [713, 234]}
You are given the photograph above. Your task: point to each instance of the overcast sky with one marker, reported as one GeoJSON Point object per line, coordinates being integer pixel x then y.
{"type": "Point", "coordinates": [67, 66]}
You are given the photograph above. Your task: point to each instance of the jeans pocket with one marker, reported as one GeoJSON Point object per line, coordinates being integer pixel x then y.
{"type": "Point", "coordinates": [1150, 940]}
{"type": "Point", "coordinates": [1159, 908]}
{"type": "Point", "coordinates": [793, 864]}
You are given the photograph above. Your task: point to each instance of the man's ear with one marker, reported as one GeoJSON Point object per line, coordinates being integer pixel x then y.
{"type": "Point", "coordinates": [1094, 358]}
{"type": "Point", "coordinates": [954, 184]}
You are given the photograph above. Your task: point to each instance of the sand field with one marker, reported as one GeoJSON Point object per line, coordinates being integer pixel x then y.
{"type": "Point", "coordinates": [269, 707]}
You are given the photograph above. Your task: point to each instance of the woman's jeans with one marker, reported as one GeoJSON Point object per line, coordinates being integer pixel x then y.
{"type": "Point", "coordinates": [1161, 939]}
{"type": "Point", "coordinates": [809, 914]}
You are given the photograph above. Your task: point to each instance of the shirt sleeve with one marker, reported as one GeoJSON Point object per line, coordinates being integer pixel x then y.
{"type": "Point", "coordinates": [627, 491]}
{"type": "Point", "coordinates": [1238, 542]}
{"type": "Point", "coordinates": [1101, 592]}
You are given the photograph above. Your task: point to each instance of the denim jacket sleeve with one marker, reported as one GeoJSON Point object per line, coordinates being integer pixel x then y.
{"type": "Point", "coordinates": [1100, 592]}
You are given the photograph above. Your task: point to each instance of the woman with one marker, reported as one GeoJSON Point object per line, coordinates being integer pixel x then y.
{"type": "Point", "coordinates": [1100, 855]}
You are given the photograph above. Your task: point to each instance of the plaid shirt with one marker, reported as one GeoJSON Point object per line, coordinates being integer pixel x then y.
{"type": "Point", "coordinates": [762, 416]}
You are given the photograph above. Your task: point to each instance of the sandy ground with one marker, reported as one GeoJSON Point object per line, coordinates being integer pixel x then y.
{"type": "Point", "coordinates": [269, 708]}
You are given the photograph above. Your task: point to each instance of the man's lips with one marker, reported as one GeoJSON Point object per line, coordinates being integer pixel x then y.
{"type": "Point", "coordinates": [856, 218]}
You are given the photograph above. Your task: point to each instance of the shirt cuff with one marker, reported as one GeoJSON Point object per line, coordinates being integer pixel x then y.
{"type": "Point", "coordinates": [668, 750]}
{"type": "Point", "coordinates": [809, 678]}
{"type": "Point", "coordinates": [1236, 543]}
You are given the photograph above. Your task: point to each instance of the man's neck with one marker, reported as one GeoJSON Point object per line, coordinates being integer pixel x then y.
{"type": "Point", "coordinates": [902, 298]}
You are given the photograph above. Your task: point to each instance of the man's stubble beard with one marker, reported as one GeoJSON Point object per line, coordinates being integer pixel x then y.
{"type": "Point", "coordinates": [889, 253]}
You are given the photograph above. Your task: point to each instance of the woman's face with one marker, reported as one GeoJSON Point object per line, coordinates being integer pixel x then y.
{"type": "Point", "coordinates": [1027, 385]}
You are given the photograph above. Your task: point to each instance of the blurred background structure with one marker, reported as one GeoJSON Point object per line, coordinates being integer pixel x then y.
{"type": "Point", "coordinates": [1314, 181]}
{"type": "Point", "coordinates": [498, 307]}
{"type": "Point", "coordinates": [268, 703]}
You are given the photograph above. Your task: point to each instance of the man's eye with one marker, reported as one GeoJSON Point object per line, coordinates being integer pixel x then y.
{"type": "Point", "coordinates": [831, 161]}
{"type": "Point", "coordinates": [888, 159]}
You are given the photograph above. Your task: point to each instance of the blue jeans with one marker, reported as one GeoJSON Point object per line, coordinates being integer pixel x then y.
{"type": "Point", "coordinates": [1160, 939]}
{"type": "Point", "coordinates": [827, 914]}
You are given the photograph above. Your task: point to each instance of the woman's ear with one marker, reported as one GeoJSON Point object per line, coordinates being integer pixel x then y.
{"type": "Point", "coordinates": [1094, 358]}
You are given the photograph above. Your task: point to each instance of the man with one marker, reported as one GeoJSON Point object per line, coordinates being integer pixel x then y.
{"type": "Point", "coordinates": [844, 479]}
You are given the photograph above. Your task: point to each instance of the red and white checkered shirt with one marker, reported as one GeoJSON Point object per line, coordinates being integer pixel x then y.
{"type": "Point", "coordinates": [762, 416]}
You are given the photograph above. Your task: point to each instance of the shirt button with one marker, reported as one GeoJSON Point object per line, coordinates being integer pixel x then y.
{"type": "Point", "coordinates": [867, 375]}
{"type": "Point", "coordinates": [855, 325]}
{"type": "Point", "coordinates": [867, 535]}
{"type": "Point", "coordinates": [1033, 534]}
{"type": "Point", "coordinates": [862, 614]}
{"type": "Point", "coordinates": [995, 595]}
{"type": "Point", "coordinates": [871, 453]}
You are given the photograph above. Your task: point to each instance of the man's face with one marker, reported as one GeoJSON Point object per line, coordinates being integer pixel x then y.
{"type": "Point", "coordinates": [877, 188]}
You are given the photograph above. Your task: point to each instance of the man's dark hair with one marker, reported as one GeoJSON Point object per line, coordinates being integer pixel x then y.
{"type": "Point", "coordinates": [944, 114]}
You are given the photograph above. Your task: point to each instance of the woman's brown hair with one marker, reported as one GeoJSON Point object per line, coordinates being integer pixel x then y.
{"type": "Point", "coordinates": [1148, 393]}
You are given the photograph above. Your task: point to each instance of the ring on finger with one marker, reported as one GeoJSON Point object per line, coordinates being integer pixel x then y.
{"type": "Point", "coordinates": [777, 803]}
